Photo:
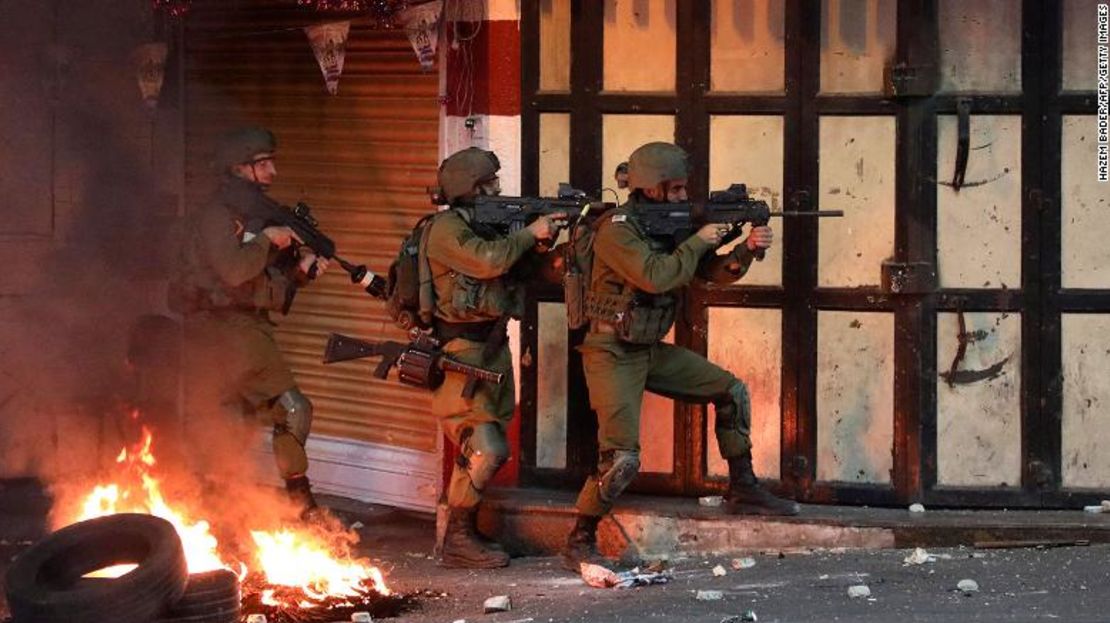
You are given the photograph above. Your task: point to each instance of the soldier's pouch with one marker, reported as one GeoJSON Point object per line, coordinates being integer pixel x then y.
{"type": "Point", "coordinates": [647, 320]}
{"type": "Point", "coordinates": [574, 293]}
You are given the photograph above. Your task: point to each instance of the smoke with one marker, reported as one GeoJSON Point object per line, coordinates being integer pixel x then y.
{"type": "Point", "coordinates": [90, 232]}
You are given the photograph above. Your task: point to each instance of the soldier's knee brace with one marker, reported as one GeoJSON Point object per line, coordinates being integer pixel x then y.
{"type": "Point", "coordinates": [295, 415]}
{"type": "Point", "coordinates": [734, 408]}
{"type": "Point", "coordinates": [483, 451]}
{"type": "Point", "coordinates": [616, 470]}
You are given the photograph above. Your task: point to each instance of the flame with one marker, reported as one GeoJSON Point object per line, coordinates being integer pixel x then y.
{"type": "Point", "coordinates": [297, 558]}
{"type": "Point", "coordinates": [302, 560]}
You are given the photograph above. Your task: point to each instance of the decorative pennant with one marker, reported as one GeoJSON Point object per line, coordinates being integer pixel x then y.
{"type": "Point", "coordinates": [150, 60]}
{"type": "Point", "coordinates": [329, 44]}
{"type": "Point", "coordinates": [421, 22]}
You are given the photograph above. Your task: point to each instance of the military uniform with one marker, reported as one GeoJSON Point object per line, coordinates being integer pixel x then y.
{"type": "Point", "coordinates": [476, 280]}
{"type": "Point", "coordinates": [629, 265]}
{"type": "Point", "coordinates": [631, 302]}
{"type": "Point", "coordinates": [472, 295]}
{"type": "Point", "coordinates": [231, 279]}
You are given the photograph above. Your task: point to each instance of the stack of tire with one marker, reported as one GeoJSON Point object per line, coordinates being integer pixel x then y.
{"type": "Point", "coordinates": [46, 584]}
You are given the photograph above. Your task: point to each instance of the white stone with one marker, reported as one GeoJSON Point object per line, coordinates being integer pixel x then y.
{"type": "Point", "coordinates": [1106, 506]}
{"type": "Point", "coordinates": [500, 603]}
{"type": "Point", "coordinates": [1093, 509]}
{"type": "Point", "coordinates": [256, 618]}
{"type": "Point", "coordinates": [968, 587]}
{"type": "Point", "coordinates": [858, 591]}
{"type": "Point", "coordinates": [710, 595]}
{"type": "Point", "coordinates": [719, 571]}
{"type": "Point", "coordinates": [917, 508]}
{"type": "Point", "coordinates": [361, 617]}
{"type": "Point", "coordinates": [711, 500]}
{"type": "Point", "coordinates": [918, 557]}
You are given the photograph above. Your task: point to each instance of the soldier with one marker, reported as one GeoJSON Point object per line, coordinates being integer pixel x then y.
{"type": "Point", "coordinates": [633, 290]}
{"type": "Point", "coordinates": [236, 269]}
{"type": "Point", "coordinates": [474, 296]}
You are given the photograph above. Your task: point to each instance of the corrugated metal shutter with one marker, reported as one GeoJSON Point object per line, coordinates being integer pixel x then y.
{"type": "Point", "coordinates": [361, 159]}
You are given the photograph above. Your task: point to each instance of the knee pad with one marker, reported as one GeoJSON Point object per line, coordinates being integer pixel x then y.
{"type": "Point", "coordinates": [616, 470]}
{"type": "Point", "coordinates": [295, 415]}
{"type": "Point", "coordinates": [483, 451]}
{"type": "Point", "coordinates": [734, 408]}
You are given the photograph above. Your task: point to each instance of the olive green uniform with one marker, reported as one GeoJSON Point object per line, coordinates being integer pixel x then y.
{"type": "Point", "coordinates": [230, 281]}
{"type": "Point", "coordinates": [629, 264]}
{"type": "Point", "coordinates": [470, 270]}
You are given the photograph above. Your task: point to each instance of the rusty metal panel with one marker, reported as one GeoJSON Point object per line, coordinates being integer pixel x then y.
{"type": "Point", "coordinates": [979, 400]}
{"type": "Point", "coordinates": [1085, 256]}
{"type": "Point", "coordinates": [857, 42]}
{"type": "Point", "coordinates": [760, 169]}
{"type": "Point", "coordinates": [748, 343]}
{"type": "Point", "coordinates": [857, 176]}
{"type": "Point", "coordinates": [980, 45]}
{"type": "Point", "coordinates": [621, 134]}
{"type": "Point", "coordinates": [361, 159]}
{"type": "Point", "coordinates": [554, 45]}
{"type": "Point", "coordinates": [979, 227]}
{"type": "Point", "coordinates": [551, 386]}
{"type": "Point", "coordinates": [1080, 37]}
{"type": "Point", "coordinates": [657, 430]}
{"type": "Point", "coordinates": [748, 46]}
{"type": "Point", "coordinates": [855, 396]}
{"type": "Point", "coordinates": [640, 40]}
{"type": "Point", "coordinates": [1086, 418]}
{"type": "Point", "coordinates": [554, 152]}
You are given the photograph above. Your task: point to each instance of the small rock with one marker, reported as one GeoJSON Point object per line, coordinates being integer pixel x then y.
{"type": "Point", "coordinates": [743, 563]}
{"type": "Point", "coordinates": [358, 525]}
{"type": "Point", "coordinates": [361, 617]}
{"type": "Point", "coordinates": [748, 616]}
{"type": "Point", "coordinates": [256, 618]}
{"type": "Point", "coordinates": [917, 508]}
{"type": "Point", "coordinates": [1106, 506]}
{"type": "Point", "coordinates": [719, 571]}
{"type": "Point", "coordinates": [1093, 509]}
{"type": "Point", "coordinates": [918, 557]}
{"type": "Point", "coordinates": [501, 603]}
{"type": "Point", "coordinates": [711, 500]}
{"type": "Point", "coordinates": [968, 587]}
{"type": "Point", "coordinates": [710, 595]}
{"type": "Point", "coordinates": [459, 621]}
{"type": "Point", "coordinates": [823, 576]}
{"type": "Point", "coordinates": [858, 591]}
{"type": "Point", "coordinates": [597, 576]}
{"type": "Point", "coordinates": [978, 555]}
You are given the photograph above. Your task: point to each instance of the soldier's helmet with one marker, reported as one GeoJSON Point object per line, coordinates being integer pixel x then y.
{"type": "Point", "coordinates": [655, 163]}
{"type": "Point", "coordinates": [240, 145]}
{"type": "Point", "coordinates": [460, 172]}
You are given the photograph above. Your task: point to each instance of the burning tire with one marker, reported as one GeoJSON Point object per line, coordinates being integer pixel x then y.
{"type": "Point", "coordinates": [207, 594]}
{"type": "Point", "coordinates": [44, 584]}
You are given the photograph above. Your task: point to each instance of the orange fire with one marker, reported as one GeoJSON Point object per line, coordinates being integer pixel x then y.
{"type": "Point", "coordinates": [292, 556]}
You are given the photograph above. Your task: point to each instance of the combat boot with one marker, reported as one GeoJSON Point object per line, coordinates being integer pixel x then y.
{"type": "Point", "coordinates": [462, 547]}
{"type": "Point", "coordinates": [581, 544]}
{"type": "Point", "coordinates": [300, 493]}
{"type": "Point", "coordinates": [472, 521]}
{"type": "Point", "coordinates": [747, 497]}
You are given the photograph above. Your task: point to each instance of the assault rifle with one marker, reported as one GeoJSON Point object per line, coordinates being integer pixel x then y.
{"type": "Point", "coordinates": [420, 363]}
{"type": "Point", "coordinates": [511, 214]}
{"type": "Point", "coordinates": [299, 218]}
{"type": "Point", "coordinates": [732, 207]}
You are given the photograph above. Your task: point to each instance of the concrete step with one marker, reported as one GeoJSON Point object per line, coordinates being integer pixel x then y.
{"type": "Point", "coordinates": [536, 522]}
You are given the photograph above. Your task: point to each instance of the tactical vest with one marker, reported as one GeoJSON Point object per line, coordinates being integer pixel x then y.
{"type": "Point", "coordinates": [638, 317]}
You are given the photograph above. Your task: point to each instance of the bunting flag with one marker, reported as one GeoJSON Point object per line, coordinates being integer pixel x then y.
{"type": "Point", "coordinates": [150, 60]}
{"type": "Point", "coordinates": [329, 44]}
{"type": "Point", "coordinates": [421, 22]}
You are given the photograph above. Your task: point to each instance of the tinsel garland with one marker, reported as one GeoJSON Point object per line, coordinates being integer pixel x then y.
{"type": "Point", "coordinates": [380, 10]}
{"type": "Point", "coordinates": [173, 8]}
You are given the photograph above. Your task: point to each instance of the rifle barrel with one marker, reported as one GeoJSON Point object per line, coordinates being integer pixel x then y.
{"type": "Point", "coordinates": [818, 213]}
